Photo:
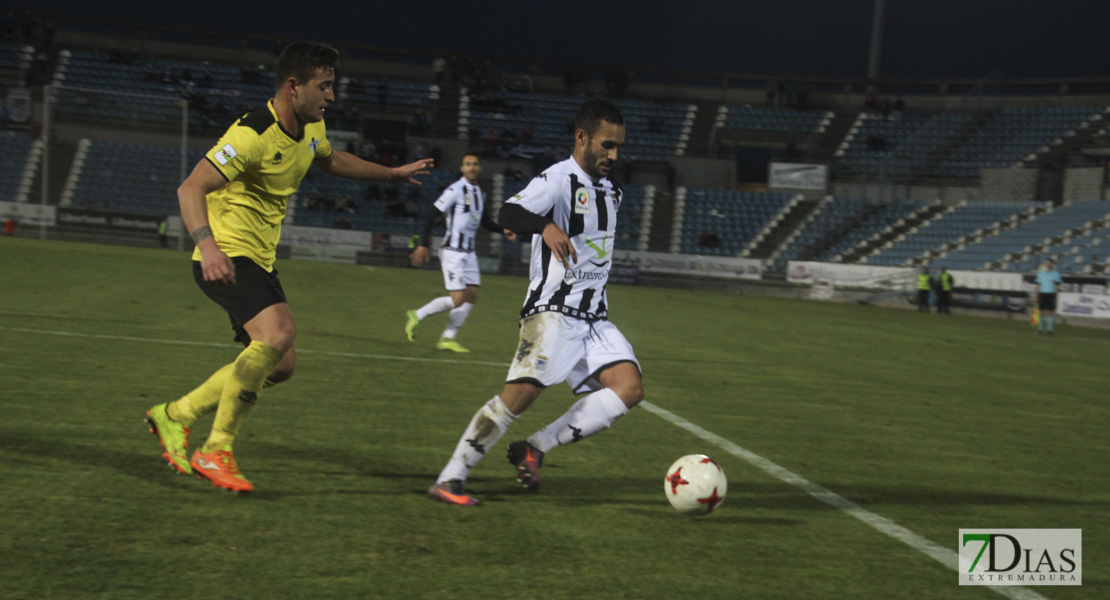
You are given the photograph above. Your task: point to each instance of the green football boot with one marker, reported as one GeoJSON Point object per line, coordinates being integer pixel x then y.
{"type": "Point", "coordinates": [174, 438]}
{"type": "Point", "coordinates": [410, 327]}
{"type": "Point", "coordinates": [449, 344]}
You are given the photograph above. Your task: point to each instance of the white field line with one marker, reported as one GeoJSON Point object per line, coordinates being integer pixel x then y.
{"type": "Point", "coordinates": [943, 555]}
{"type": "Point", "coordinates": [927, 547]}
{"type": "Point", "coordinates": [127, 338]}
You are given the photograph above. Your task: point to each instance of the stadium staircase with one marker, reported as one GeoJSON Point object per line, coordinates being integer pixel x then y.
{"type": "Point", "coordinates": [877, 241]}
{"type": "Point", "coordinates": [662, 223]}
{"type": "Point", "coordinates": [835, 237]}
{"type": "Point", "coordinates": [701, 133]}
{"type": "Point", "coordinates": [1069, 235]}
{"type": "Point", "coordinates": [1050, 177]}
{"type": "Point", "coordinates": [61, 160]}
{"type": "Point", "coordinates": [1083, 135]}
{"type": "Point", "coordinates": [936, 157]}
{"type": "Point", "coordinates": [963, 241]}
{"type": "Point", "coordinates": [824, 147]}
{"type": "Point", "coordinates": [769, 241]}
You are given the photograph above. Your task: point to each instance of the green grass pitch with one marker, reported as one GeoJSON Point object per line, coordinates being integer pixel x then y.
{"type": "Point", "coordinates": [933, 423]}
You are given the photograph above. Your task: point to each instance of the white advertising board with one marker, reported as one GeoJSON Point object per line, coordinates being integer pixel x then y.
{"type": "Point", "coordinates": [798, 177]}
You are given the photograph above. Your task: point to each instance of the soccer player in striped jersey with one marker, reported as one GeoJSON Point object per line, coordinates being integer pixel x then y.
{"type": "Point", "coordinates": [463, 205]}
{"type": "Point", "coordinates": [233, 204]}
{"type": "Point", "coordinates": [565, 335]}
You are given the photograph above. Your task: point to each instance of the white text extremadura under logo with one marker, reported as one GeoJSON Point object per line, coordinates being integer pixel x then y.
{"type": "Point", "coordinates": [1021, 557]}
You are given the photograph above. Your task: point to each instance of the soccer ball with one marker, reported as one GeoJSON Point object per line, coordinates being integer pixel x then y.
{"type": "Point", "coordinates": [695, 484]}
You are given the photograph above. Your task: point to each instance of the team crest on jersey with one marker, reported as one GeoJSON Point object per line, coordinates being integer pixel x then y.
{"type": "Point", "coordinates": [312, 145]}
{"type": "Point", "coordinates": [277, 158]}
{"type": "Point", "coordinates": [225, 154]}
{"type": "Point", "coordinates": [468, 199]}
{"type": "Point", "coordinates": [581, 202]}
{"type": "Point", "coordinates": [541, 362]}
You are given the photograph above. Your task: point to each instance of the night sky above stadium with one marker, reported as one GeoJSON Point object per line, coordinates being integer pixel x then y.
{"type": "Point", "coordinates": [831, 38]}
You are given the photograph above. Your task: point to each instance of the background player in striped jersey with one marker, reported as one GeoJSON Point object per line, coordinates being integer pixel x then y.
{"type": "Point", "coordinates": [463, 206]}
{"type": "Point", "coordinates": [565, 335]}
{"type": "Point", "coordinates": [233, 204]}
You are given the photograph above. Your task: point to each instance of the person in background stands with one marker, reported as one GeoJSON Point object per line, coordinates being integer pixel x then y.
{"type": "Point", "coordinates": [924, 285]}
{"type": "Point", "coordinates": [945, 283]}
{"type": "Point", "coordinates": [1047, 281]}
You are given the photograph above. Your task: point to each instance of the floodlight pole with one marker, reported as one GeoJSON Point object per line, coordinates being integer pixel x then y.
{"type": "Point", "coordinates": [47, 93]}
{"type": "Point", "coordinates": [184, 165]}
{"type": "Point", "coordinates": [878, 34]}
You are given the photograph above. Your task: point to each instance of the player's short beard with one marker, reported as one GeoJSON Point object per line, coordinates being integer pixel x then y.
{"type": "Point", "coordinates": [592, 162]}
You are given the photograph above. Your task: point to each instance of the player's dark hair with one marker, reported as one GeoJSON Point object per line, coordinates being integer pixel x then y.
{"type": "Point", "coordinates": [593, 112]}
{"type": "Point", "coordinates": [473, 153]}
{"type": "Point", "coordinates": [301, 59]}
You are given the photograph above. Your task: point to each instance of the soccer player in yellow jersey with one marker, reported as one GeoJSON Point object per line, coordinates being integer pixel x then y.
{"type": "Point", "coordinates": [233, 204]}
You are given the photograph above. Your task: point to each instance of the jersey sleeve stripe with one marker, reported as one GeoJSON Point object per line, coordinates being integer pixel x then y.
{"type": "Point", "coordinates": [218, 169]}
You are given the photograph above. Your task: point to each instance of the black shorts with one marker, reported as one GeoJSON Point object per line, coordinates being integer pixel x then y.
{"type": "Point", "coordinates": [1046, 301]}
{"type": "Point", "coordinates": [254, 291]}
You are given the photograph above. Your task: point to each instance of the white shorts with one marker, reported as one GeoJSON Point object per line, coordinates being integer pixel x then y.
{"type": "Point", "coordinates": [460, 269]}
{"type": "Point", "coordinates": [555, 348]}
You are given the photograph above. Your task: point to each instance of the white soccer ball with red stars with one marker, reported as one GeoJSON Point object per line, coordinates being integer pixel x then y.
{"type": "Point", "coordinates": [695, 484]}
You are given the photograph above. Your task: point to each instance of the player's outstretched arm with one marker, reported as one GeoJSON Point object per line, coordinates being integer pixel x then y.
{"type": "Point", "coordinates": [345, 164]}
{"type": "Point", "coordinates": [192, 196]}
{"type": "Point", "coordinates": [515, 217]}
{"type": "Point", "coordinates": [490, 225]}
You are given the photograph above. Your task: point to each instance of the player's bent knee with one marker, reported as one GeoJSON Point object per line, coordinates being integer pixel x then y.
{"type": "Point", "coordinates": [519, 395]}
{"type": "Point", "coordinates": [283, 371]}
{"type": "Point", "coordinates": [281, 338]}
{"type": "Point", "coordinates": [624, 379]}
{"type": "Point", "coordinates": [280, 374]}
{"type": "Point", "coordinates": [631, 394]}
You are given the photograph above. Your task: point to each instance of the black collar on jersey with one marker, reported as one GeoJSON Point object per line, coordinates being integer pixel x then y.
{"type": "Point", "coordinates": [273, 111]}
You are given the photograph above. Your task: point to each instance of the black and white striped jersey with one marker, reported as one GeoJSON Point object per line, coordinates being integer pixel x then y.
{"type": "Point", "coordinates": [463, 204]}
{"type": "Point", "coordinates": [587, 211]}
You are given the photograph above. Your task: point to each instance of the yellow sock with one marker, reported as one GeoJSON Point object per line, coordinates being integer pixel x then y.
{"type": "Point", "coordinates": [244, 381]}
{"type": "Point", "coordinates": [218, 440]}
{"type": "Point", "coordinates": [201, 401]}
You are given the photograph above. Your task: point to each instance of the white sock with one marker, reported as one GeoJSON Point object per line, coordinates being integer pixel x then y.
{"type": "Point", "coordinates": [456, 318]}
{"type": "Point", "coordinates": [436, 306]}
{"type": "Point", "coordinates": [588, 416]}
{"type": "Point", "coordinates": [484, 430]}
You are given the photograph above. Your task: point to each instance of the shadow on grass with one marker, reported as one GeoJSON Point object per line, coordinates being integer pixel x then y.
{"type": "Point", "coordinates": [149, 467]}
{"type": "Point", "coordinates": [583, 492]}
{"type": "Point", "coordinates": [564, 490]}
{"type": "Point", "coordinates": [568, 490]}
{"type": "Point", "coordinates": [63, 317]}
